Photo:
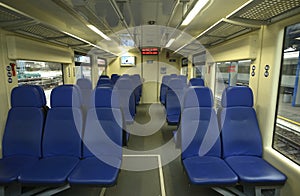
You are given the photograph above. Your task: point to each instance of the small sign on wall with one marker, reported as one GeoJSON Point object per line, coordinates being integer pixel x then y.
{"type": "Point", "coordinates": [163, 70]}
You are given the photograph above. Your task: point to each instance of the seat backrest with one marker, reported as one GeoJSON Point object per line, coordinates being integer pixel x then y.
{"type": "Point", "coordinates": [104, 126]}
{"type": "Point", "coordinates": [174, 96]}
{"type": "Point", "coordinates": [125, 90]}
{"type": "Point", "coordinates": [63, 128]}
{"type": "Point", "coordinates": [196, 82]}
{"type": "Point", "coordinates": [104, 81]}
{"type": "Point", "coordinates": [183, 79]}
{"type": "Point", "coordinates": [85, 86]}
{"type": "Point", "coordinates": [199, 132]}
{"type": "Point", "coordinates": [114, 78]}
{"type": "Point", "coordinates": [164, 88]}
{"type": "Point", "coordinates": [239, 126]}
{"type": "Point", "coordinates": [25, 121]}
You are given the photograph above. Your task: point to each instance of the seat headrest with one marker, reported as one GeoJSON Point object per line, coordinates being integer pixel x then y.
{"type": "Point", "coordinates": [124, 84]}
{"type": "Point", "coordinates": [196, 82]}
{"type": "Point", "coordinates": [84, 83]}
{"type": "Point", "coordinates": [105, 97]}
{"type": "Point", "coordinates": [67, 95]}
{"type": "Point", "coordinates": [176, 83]}
{"type": "Point", "coordinates": [198, 96]}
{"type": "Point", "coordinates": [27, 96]}
{"type": "Point", "coordinates": [102, 81]}
{"type": "Point", "coordinates": [237, 96]}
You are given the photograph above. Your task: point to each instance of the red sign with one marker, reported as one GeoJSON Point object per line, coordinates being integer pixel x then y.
{"type": "Point", "coordinates": [231, 68]}
{"type": "Point", "coordinates": [150, 51]}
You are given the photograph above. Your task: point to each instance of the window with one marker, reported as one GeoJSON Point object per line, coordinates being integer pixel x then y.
{"type": "Point", "coordinates": [83, 66]}
{"type": "Point", "coordinates": [45, 74]}
{"type": "Point", "coordinates": [230, 73]}
{"type": "Point", "coordinates": [286, 138]}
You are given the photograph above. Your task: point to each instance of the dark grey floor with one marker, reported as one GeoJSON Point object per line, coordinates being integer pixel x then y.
{"type": "Point", "coordinates": [147, 183]}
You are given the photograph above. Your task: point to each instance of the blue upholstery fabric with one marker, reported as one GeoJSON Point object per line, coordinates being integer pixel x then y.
{"type": "Point", "coordinates": [240, 132]}
{"type": "Point", "coordinates": [102, 151]}
{"type": "Point", "coordinates": [242, 143]}
{"type": "Point", "coordinates": [23, 132]}
{"type": "Point", "coordinates": [196, 82]}
{"type": "Point", "coordinates": [252, 169]}
{"type": "Point", "coordinates": [164, 88]}
{"type": "Point", "coordinates": [183, 79]}
{"type": "Point", "coordinates": [105, 97]}
{"type": "Point", "coordinates": [104, 81]}
{"type": "Point", "coordinates": [49, 170]}
{"type": "Point", "coordinates": [237, 96]}
{"type": "Point", "coordinates": [85, 86]}
{"type": "Point", "coordinates": [124, 89]}
{"type": "Point", "coordinates": [198, 97]}
{"type": "Point", "coordinates": [114, 78]}
{"type": "Point", "coordinates": [200, 141]}
{"type": "Point", "coordinates": [137, 85]}
{"type": "Point", "coordinates": [209, 170]}
{"type": "Point", "coordinates": [61, 140]}
{"type": "Point", "coordinates": [92, 171]}
{"type": "Point", "coordinates": [66, 96]}
{"type": "Point", "coordinates": [26, 96]}
{"type": "Point", "coordinates": [173, 100]}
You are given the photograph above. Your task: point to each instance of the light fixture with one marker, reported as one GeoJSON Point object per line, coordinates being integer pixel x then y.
{"type": "Point", "coordinates": [297, 38]}
{"type": "Point", "coordinates": [195, 10]}
{"type": "Point", "coordinates": [170, 42]}
{"type": "Point", "coordinates": [96, 30]}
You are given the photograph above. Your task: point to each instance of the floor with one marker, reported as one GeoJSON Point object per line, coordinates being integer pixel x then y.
{"type": "Point", "coordinates": [150, 144]}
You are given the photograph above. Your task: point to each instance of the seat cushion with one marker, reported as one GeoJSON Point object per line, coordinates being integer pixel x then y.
{"type": "Point", "coordinates": [51, 170]}
{"type": "Point", "coordinates": [11, 167]}
{"type": "Point", "coordinates": [252, 169]}
{"type": "Point", "coordinates": [209, 170]}
{"type": "Point", "coordinates": [173, 119]}
{"type": "Point", "coordinates": [93, 171]}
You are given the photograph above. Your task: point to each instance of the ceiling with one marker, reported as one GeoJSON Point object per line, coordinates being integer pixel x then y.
{"type": "Point", "coordinates": [133, 24]}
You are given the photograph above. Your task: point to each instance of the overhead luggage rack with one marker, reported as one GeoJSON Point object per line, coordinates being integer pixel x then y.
{"type": "Point", "coordinates": [18, 22]}
{"type": "Point", "coordinates": [248, 18]}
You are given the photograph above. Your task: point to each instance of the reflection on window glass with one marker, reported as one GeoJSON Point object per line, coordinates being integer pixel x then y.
{"type": "Point", "coordinates": [199, 71]}
{"type": "Point", "coordinates": [231, 73]}
{"type": "Point", "coordinates": [287, 129]}
{"type": "Point", "coordinates": [83, 71]}
{"type": "Point", "coordinates": [45, 74]}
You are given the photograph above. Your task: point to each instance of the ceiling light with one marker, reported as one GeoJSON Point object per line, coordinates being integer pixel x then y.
{"type": "Point", "coordinates": [170, 42]}
{"type": "Point", "coordinates": [196, 9]}
{"type": "Point", "coordinates": [297, 38]}
{"type": "Point", "coordinates": [96, 30]}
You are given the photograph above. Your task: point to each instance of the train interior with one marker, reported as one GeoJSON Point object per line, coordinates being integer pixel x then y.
{"type": "Point", "coordinates": [251, 45]}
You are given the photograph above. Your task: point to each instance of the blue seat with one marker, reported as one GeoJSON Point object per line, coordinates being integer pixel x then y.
{"type": "Point", "coordinates": [125, 91]}
{"type": "Point", "coordinates": [85, 86]}
{"type": "Point", "coordinates": [183, 79]}
{"type": "Point", "coordinates": [196, 82]}
{"type": "Point", "coordinates": [23, 132]}
{"type": "Point", "coordinates": [114, 78]}
{"type": "Point", "coordinates": [137, 85]}
{"type": "Point", "coordinates": [242, 142]}
{"type": "Point", "coordinates": [200, 141]}
{"type": "Point", "coordinates": [61, 145]}
{"type": "Point", "coordinates": [173, 100]}
{"type": "Point", "coordinates": [104, 81]}
{"type": "Point", "coordinates": [164, 88]}
{"type": "Point", "coordinates": [102, 151]}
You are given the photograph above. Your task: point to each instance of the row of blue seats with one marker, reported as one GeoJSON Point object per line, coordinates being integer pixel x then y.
{"type": "Point", "coordinates": [135, 86]}
{"type": "Point", "coordinates": [171, 93]}
{"type": "Point", "coordinates": [128, 87]}
{"type": "Point", "coordinates": [59, 146]}
{"type": "Point", "coordinates": [229, 153]}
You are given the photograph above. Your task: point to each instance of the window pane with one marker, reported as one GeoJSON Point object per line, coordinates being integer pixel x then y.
{"type": "Point", "coordinates": [287, 129]}
{"type": "Point", "coordinates": [230, 74]}
{"type": "Point", "coordinates": [45, 74]}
